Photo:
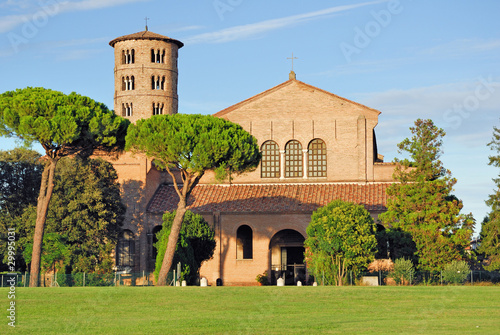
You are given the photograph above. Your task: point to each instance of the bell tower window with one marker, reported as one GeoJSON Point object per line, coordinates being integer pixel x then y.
{"type": "Point", "coordinates": [158, 83]}
{"type": "Point", "coordinates": [157, 108]}
{"type": "Point", "coordinates": [128, 83]}
{"type": "Point", "coordinates": [128, 56]}
{"type": "Point", "coordinates": [157, 56]}
{"type": "Point", "coordinates": [127, 109]}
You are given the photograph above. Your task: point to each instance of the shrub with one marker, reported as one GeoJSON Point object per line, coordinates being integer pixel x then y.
{"type": "Point", "coordinates": [403, 272]}
{"type": "Point", "coordinates": [262, 278]}
{"type": "Point", "coordinates": [456, 272]}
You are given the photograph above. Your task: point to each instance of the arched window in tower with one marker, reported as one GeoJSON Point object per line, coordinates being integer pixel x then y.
{"type": "Point", "coordinates": [163, 57]}
{"type": "Point", "coordinates": [127, 57]}
{"type": "Point", "coordinates": [127, 80]}
{"type": "Point", "coordinates": [162, 84]}
{"type": "Point", "coordinates": [132, 83]}
{"type": "Point", "coordinates": [127, 109]}
{"type": "Point", "coordinates": [157, 108]}
{"type": "Point", "coordinates": [293, 159]}
{"type": "Point", "coordinates": [244, 242]}
{"type": "Point", "coordinates": [125, 249]}
{"type": "Point", "coordinates": [270, 163]}
{"type": "Point", "coordinates": [132, 57]}
{"type": "Point", "coordinates": [152, 55]}
{"type": "Point", "coordinates": [124, 83]}
{"type": "Point", "coordinates": [316, 158]}
{"type": "Point", "coordinates": [124, 58]}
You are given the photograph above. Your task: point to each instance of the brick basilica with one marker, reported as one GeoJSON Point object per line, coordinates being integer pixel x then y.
{"type": "Point", "coordinates": [316, 147]}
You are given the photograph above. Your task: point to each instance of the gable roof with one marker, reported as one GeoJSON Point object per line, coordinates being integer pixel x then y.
{"type": "Point", "coordinates": [229, 109]}
{"type": "Point", "coordinates": [270, 198]}
{"type": "Point", "coordinates": [146, 35]}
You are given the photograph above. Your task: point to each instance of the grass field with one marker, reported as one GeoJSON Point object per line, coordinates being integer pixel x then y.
{"type": "Point", "coordinates": [255, 310]}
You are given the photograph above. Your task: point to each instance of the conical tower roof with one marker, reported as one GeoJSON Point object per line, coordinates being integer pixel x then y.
{"type": "Point", "coordinates": [146, 35]}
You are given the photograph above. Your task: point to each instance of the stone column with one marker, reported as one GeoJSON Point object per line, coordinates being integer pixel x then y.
{"type": "Point", "coordinates": [282, 164]}
{"type": "Point", "coordinates": [305, 162]}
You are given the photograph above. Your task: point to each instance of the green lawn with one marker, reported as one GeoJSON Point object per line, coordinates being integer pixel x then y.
{"type": "Point", "coordinates": [255, 310]}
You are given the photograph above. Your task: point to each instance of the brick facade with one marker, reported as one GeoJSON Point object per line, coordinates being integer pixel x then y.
{"type": "Point", "coordinates": [260, 221]}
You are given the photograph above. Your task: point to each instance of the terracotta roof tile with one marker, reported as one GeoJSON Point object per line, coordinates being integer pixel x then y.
{"type": "Point", "coordinates": [145, 35]}
{"type": "Point", "coordinates": [278, 198]}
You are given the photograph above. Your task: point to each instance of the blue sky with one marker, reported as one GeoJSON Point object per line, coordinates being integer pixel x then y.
{"type": "Point", "coordinates": [408, 59]}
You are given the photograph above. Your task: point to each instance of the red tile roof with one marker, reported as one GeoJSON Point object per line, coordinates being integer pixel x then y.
{"type": "Point", "coordinates": [271, 198]}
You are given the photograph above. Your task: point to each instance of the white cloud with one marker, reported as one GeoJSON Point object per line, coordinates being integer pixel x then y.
{"type": "Point", "coordinates": [79, 54]}
{"type": "Point", "coordinates": [253, 29]}
{"type": "Point", "coordinates": [50, 8]}
{"type": "Point", "coordinates": [462, 47]}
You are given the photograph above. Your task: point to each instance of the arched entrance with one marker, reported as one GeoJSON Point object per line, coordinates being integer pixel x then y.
{"type": "Point", "coordinates": [286, 251]}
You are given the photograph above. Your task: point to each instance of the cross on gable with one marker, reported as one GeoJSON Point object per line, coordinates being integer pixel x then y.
{"type": "Point", "coordinates": [292, 58]}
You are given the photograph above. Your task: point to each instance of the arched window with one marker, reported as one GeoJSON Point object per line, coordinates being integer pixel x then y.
{"type": "Point", "coordinates": [270, 163]}
{"type": "Point", "coordinates": [157, 108]}
{"type": "Point", "coordinates": [128, 56]}
{"type": "Point", "coordinates": [125, 250]}
{"type": "Point", "coordinates": [293, 159]}
{"type": "Point", "coordinates": [127, 109]}
{"type": "Point", "coordinates": [124, 83]}
{"type": "Point", "coordinates": [132, 83]}
{"type": "Point", "coordinates": [316, 158]}
{"type": "Point", "coordinates": [244, 242]}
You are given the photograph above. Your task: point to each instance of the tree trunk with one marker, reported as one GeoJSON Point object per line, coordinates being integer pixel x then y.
{"type": "Point", "coordinates": [46, 188]}
{"type": "Point", "coordinates": [172, 242]}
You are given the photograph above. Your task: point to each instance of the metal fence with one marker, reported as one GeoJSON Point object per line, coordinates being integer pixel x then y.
{"type": "Point", "coordinates": [475, 277]}
{"type": "Point", "coordinates": [85, 279]}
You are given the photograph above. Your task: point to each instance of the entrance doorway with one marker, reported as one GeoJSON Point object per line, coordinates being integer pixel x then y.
{"type": "Point", "coordinates": [287, 257]}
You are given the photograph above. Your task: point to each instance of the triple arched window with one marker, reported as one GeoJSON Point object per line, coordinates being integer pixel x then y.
{"type": "Point", "coordinates": [157, 56]}
{"type": "Point", "coordinates": [157, 108]}
{"type": "Point", "coordinates": [127, 109]}
{"type": "Point", "coordinates": [128, 56]}
{"type": "Point", "coordinates": [128, 83]}
{"type": "Point", "coordinates": [296, 160]}
{"type": "Point", "coordinates": [158, 83]}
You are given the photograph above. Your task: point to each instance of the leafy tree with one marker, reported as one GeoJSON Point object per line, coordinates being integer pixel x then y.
{"type": "Point", "coordinates": [490, 230]}
{"type": "Point", "coordinates": [63, 125]}
{"type": "Point", "coordinates": [187, 146]}
{"type": "Point", "coordinates": [54, 252]}
{"type": "Point", "coordinates": [195, 245]}
{"type": "Point", "coordinates": [395, 243]}
{"type": "Point", "coordinates": [340, 237]}
{"type": "Point", "coordinates": [85, 213]}
{"type": "Point", "coordinates": [403, 272]}
{"type": "Point", "coordinates": [422, 203]}
{"type": "Point", "coordinates": [20, 172]}
{"type": "Point", "coordinates": [456, 272]}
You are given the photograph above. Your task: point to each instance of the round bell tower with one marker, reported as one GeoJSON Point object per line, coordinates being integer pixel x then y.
{"type": "Point", "coordinates": [145, 75]}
